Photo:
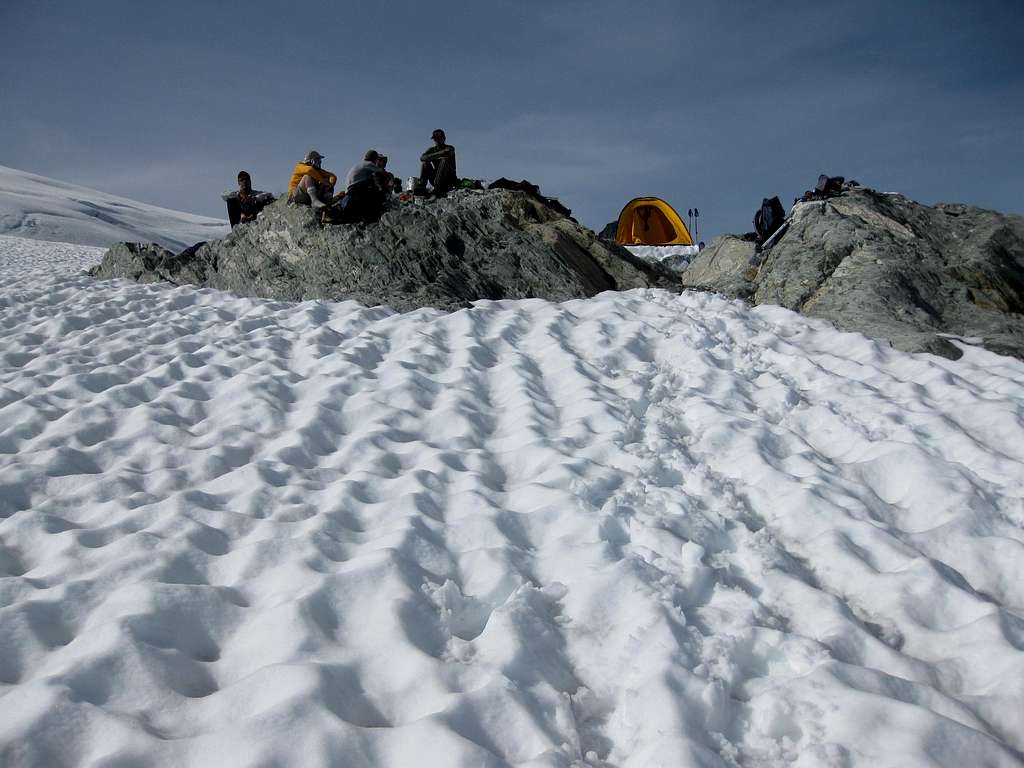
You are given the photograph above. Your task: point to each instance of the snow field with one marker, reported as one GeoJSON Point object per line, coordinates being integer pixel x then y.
{"type": "Point", "coordinates": [638, 530]}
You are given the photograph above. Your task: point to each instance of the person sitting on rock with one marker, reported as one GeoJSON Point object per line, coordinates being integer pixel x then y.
{"type": "Point", "coordinates": [366, 186]}
{"type": "Point", "coordinates": [437, 167]}
{"type": "Point", "coordinates": [389, 185]}
{"type": "Point", "coordinates": [246, 203]}
{"type": "Point", "coordinates": [311, 184]}
{"type": "Point", "coordinates": [250, 201]}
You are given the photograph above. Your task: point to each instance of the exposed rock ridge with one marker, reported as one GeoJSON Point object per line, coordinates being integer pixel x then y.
{"type": "Point", "coordinates": [499, 244]}
{"type": "Point", "coordinates": [888, 267]}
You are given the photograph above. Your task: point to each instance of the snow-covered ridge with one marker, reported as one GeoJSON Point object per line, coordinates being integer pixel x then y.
{"type": "Point", "coordinates": [46, 209]}
{"type": "Point", "coordinates": [638, 530]}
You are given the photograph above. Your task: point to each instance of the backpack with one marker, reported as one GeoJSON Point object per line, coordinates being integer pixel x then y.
{"type": "Point", "coordinates": [829, 185]}
{"type": "Point", "coordinates": [769, 218]}
{"type": "Point", "coordinates": [234, 209]}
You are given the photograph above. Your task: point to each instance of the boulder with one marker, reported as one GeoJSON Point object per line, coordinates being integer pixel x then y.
{"type": "Point", "coordinates": [152, 263]}
{"type": "Point", "coordinates": [141, 262]}
{"type": "Point", "coordinates": [728, 265]}
{"type": "Point", "coordinates": [890, 268]}
{"type": "Point", "coordinates": [498, 244]}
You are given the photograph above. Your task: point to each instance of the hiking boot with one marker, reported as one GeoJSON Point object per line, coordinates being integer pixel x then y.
{"type": "Point", "coordinates": [314, 200]}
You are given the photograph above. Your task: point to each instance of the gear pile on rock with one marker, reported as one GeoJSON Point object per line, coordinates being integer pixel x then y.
{"type": "Point", "coordinates": [495, 244]}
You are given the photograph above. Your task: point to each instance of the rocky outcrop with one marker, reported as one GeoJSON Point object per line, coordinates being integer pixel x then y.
{"type": "Point", "coordinates": [498, 244]}
{"type": "Point", "coordinates": [888, 267]}
{"type": "Point", "coordinates": [728, 266]}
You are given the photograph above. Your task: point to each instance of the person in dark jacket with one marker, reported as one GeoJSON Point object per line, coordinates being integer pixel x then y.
{"type": "Point", "coordinates": [245, 204]}
{"type": "Point", "coordinates": [250, 201]}
{"type": "Point", "coordinates": [366, 186]}
{"type": "Point", "coordinates": [387, 179]}
{"type": "Point", "coordinates": [437, 167]}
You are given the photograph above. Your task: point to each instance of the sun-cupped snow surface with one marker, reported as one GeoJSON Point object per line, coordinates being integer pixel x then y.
{"type": "Point", "coordinates": [638, 530]}
{"type": "Point", "coordinates": [46, 209]}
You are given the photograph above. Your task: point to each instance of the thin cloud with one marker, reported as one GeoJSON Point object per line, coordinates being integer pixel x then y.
{"type": "Point", "coordinates": [712, 105]}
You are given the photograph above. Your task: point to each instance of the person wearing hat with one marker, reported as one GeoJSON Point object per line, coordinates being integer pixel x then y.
{"type": "Point", "coordinates": [365, 188]}
{"type": "Point", "coordinates": [310, 183]}
{"type": "Point", "coordinates": [437, 166]}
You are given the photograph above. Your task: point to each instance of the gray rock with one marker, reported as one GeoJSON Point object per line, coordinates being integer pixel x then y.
{"type": "Point", "coordinates": [142, 262]}
{"type": "Point", "coordinates": [611, 229]}
{"type": "Point", "coordinates": [728, 265]}
{"type": "Point", "coordinates": [891, 268]}
{"type": "Point", "coordinates": [499, 244]}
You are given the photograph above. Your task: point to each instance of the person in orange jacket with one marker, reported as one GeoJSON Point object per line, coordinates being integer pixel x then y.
{"type": "Point", "coordinates": [310, 184]}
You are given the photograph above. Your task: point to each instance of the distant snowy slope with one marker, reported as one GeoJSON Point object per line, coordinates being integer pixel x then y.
{"type": "Point", "coordinates": [46, 209]}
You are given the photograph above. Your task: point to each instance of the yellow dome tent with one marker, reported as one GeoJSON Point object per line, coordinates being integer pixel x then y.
{"type": "Point", "coordinates": [651, 221]}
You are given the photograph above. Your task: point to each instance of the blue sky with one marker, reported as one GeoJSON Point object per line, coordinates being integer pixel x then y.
{"type": "Point", "coordinates": [713, 105]}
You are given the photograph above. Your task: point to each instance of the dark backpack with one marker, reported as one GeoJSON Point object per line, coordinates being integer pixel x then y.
{"type": "Point", "coordinates": [234, 210]}
{"type": "Point", "coordinates": [769, 218]}
{"type": "Point", "coordinates": [829, 185]}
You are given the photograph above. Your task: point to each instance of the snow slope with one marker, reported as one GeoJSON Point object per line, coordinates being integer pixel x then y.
{"type": "Point", "coordinates": [46, 209]}
{"type": "Point", "coordinates": [638, 530]}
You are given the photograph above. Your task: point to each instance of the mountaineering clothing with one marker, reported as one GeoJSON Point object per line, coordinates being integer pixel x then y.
{"type": "Point", "coordinates": [364, 198]}
{"type": "Point", "coordinates": [437, 166]}
{"type": "Point", "coordinates": [251, 204]}
{"type": "Point", "coordinates": [319, 175]}
{"type": "Point", "coordinates": [300, 197]}
{"type": "Point", "coordinates": [360, 173]}
{"type": "Point", "coordinates": [245, 206]}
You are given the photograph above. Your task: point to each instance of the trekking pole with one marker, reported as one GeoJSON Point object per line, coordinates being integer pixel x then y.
{"type": "Point", "coordinates": [689, 218]}
{"type": "Point", "coordinates": [696, 223]}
